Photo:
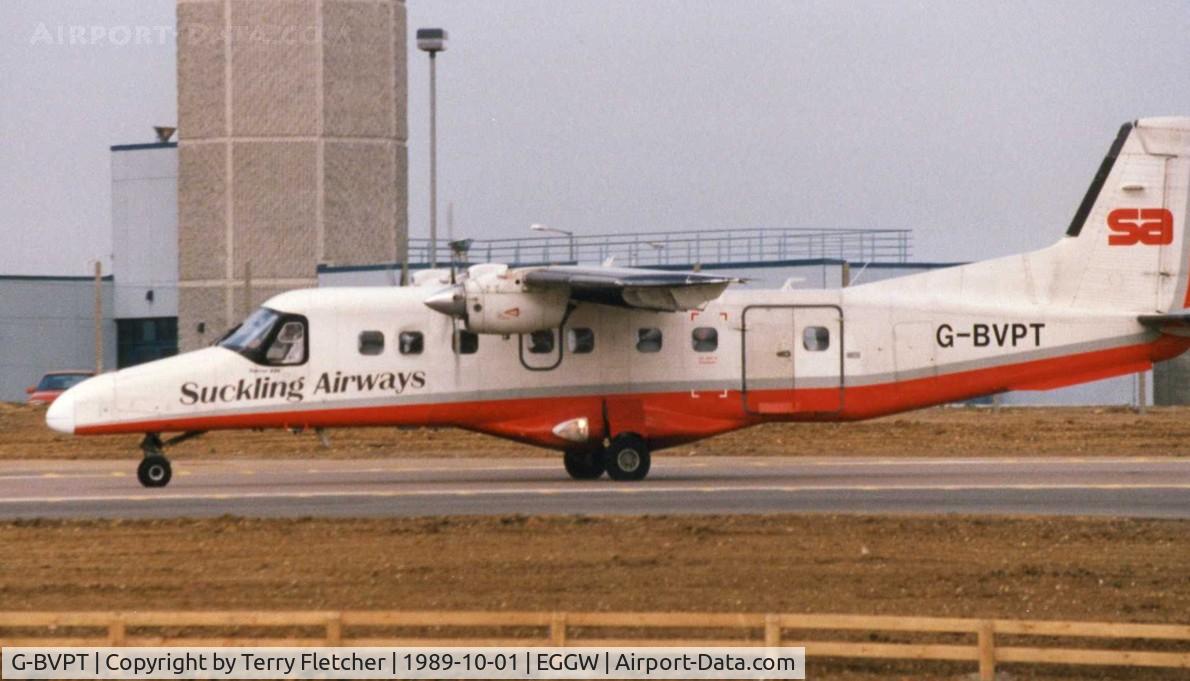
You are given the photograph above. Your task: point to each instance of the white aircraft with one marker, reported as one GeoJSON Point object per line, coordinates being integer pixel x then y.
{"type": "Point", "coordinates": [609, 364]}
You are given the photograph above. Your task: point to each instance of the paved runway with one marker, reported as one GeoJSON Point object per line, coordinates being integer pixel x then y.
{"type": "Point", "coordinates": [1139, 487]}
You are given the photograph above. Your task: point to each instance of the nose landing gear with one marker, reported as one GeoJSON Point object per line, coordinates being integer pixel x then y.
{"type": "Point", "coordinates": [154, 469]}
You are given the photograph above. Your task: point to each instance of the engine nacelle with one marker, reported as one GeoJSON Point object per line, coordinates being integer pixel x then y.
{"type": "Point", "coordinates": [502, 305]}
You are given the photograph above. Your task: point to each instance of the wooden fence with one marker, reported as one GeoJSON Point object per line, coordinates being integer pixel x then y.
{"type": "Point", "coordinates": [954, 639]}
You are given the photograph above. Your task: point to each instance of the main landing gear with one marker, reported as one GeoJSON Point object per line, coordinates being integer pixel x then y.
{"type": "Point", "coordinates": [583, 464]}
{"type": "Point", "coordinates": [154, 469]}
{"type": "Point", "coordinates": [626, 457]}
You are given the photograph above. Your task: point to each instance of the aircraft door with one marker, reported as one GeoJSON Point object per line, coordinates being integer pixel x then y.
{"type": "Point", "coordinates": [818, 359]}
{"type": "Point", "coordinates": [768, 359]}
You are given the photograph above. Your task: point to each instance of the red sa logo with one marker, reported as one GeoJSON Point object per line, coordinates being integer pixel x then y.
{"type": "Point", "coordinates": [1149, 226]}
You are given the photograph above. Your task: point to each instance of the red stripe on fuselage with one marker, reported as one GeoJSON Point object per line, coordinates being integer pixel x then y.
{"type": "Point", "coordinates": [675, 417]}
{"type": "Point", "coordinates": [1186, 300]}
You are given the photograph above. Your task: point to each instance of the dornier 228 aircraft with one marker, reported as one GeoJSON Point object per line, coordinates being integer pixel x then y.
{"type": "Point", "coordinates": [609, 364]}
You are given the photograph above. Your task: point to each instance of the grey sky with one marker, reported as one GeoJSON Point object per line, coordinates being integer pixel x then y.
{"type": "Point", "coordinates": [977, 124]}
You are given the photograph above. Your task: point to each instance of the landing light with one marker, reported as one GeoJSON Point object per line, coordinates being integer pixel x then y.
{"type": "Point", "coordinates": [574, 430]}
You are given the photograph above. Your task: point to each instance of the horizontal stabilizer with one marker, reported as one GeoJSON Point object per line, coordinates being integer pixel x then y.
{"type": "Point", "coordinates": [1175, 324]}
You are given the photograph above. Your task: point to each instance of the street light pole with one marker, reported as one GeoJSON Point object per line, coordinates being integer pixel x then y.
{"type": "Point", "coordinates": [433, 162]}
{"type": "Point", "coordinates": [537, 227]}
{"type": "Point", "coordinates": [433, 41]}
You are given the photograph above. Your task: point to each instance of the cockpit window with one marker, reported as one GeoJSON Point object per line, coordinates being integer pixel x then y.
{"type": "Point", "coordinates": [269, 337]}
{"type": "Point", "coordinates": [251, 334]}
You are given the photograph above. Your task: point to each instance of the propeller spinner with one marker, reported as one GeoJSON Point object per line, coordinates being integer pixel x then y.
{"type": "Point", "coordinates": [450, 301]}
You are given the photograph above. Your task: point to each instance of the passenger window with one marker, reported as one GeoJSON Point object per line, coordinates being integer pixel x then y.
{"type": "Point", "coordinates": [411, 342]}
{"type": "Point", "coordinates": [289, 347]}
{"type": "Point", "coordinates": [541, 342]}
{"type": "Point", "coordinates": [580, 340]}
{"type": "Point", "coordinates": [371, 342]}
{"type": "Point", "coordinates": [816, 338]}
{"type": "Point", "coordinates": [465, 342]}
{"type": "Point", "coordinates": [705, 339]}
{"type": "Point", "coordinates": [648, 340]}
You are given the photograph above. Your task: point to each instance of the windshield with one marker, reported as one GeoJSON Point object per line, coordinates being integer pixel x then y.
{"type": "Point", "coordinates": [61, 381]}
{"type": "Point", "coordinates": [269, 337]}
{"type": "Point", "coordinates": [252, 333]}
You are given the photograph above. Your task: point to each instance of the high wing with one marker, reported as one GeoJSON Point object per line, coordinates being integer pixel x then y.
{"type": "Point", "coordinates": [644, 289]}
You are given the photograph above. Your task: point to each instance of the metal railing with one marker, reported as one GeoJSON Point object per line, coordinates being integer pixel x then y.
{"type": "Point", "coordinates": [645, 249]}
{"type": "Point", "coordinates": [979, 641]}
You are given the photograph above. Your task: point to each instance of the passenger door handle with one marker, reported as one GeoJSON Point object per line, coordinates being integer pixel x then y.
{"type": "Point", "coordinates": [784, 353]}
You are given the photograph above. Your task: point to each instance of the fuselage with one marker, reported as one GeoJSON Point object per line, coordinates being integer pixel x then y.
{"type": "Point", "coordinates": [379, 357]}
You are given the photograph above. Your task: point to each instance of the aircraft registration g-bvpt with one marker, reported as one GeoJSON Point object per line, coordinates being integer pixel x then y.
{"type": "Point", "coordinates": [608, 364]}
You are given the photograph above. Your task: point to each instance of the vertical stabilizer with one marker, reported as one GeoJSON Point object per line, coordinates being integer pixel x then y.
{"type": "Point", "coordinates": [1127, 244]}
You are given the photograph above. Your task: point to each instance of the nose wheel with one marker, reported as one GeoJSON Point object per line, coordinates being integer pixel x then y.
{"type": "Point", "coordinates": [154, 469]}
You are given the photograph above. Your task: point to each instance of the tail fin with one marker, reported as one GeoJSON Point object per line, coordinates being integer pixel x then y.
{"type": "Point", "coordinates": [1127, 246]}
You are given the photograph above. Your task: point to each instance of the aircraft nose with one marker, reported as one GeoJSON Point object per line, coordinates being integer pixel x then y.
{"type": "Point", "coordinates": [60, 415]}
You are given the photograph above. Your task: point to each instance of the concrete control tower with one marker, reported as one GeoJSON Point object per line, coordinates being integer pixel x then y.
{"type": "Point", "coordinates": [292, 149]}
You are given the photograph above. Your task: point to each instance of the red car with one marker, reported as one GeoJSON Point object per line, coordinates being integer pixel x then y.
{"type": "Point", "coordinates": [54, 384]}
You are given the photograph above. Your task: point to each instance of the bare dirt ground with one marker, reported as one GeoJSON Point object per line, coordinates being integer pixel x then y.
{"type": "Point", "coordinates": [945, 431]}
{"type": "Point", "coordinates": [1085, 569]}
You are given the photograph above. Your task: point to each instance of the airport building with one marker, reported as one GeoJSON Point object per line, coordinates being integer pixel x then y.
{"type": "Point", "coordinates": [48, 324]}
{"type": "Point", "coordinates": [292, 131]}
{"type": "Point", "coordinates": [145, 251]}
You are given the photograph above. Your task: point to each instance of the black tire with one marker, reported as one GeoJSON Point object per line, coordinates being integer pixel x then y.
{"type": "Point", "coordinates": [583, 464]}
{"type": "Point", "coordinates": [627, 457]}
{"type": "Point", "coordinates": [154, 471]}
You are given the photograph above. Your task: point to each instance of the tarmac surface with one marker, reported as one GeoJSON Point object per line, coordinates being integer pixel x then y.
{"type": "Point", "coordinates": [1126, 487]}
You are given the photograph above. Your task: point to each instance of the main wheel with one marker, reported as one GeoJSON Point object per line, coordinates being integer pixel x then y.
{"type": "Point", "coordinates": [154, 471]}
{"type": "Point", "coordinates": [627, 457]}
{"type": "Point", "coordinates": [583, 464]}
